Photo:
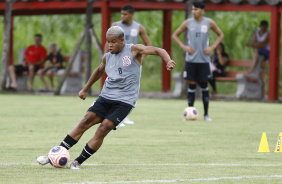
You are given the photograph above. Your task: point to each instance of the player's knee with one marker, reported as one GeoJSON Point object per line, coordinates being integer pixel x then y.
{"type": "Point", "coordinates": [204, 86]}
{"type": "Point", "coordinates": [106, 127]}
{"type": "Point", "coordinates": [87, 121]}
{"type": "Point", "coordinates": [191, 88]}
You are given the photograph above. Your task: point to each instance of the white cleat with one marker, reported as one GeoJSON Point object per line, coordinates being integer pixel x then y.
{"type": "Point", "coordinates": [207, 118]}
{"type": "Point", "coordinates": [122, 125]}
{"type": "Point", "coordinates": [43, 160]}
{"type": "Point", "coordinates": [127, 121]}
{"type": "Point", "coordinates": [75, 165]}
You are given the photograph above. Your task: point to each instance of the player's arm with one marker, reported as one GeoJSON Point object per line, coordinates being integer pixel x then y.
{"type": "Point", "coordinates": [144, 36]}
{"type": "Point", "coordinates": [220, 36]}
{"type": "Point", "coordinates": [261, 44]}
{"type": "Point", "coordinates": [139, 50]}
{"type": "Point", "coordinates": [96, 75]}
{"type": "Point", "coordinates": [106, 49]}
{"type": "Point", "coordinates": [175, 37]}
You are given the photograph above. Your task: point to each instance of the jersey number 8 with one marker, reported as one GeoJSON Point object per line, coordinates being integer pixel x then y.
{"type": "Point", "coordinates": [119, 70]}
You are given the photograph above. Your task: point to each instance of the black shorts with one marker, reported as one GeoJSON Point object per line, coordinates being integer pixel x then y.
{"type": "Point", "coordinates": [115, 111]}
{"type": "Point", "coordinates": [197, 72]}
{"type": "Point", "coordinates": [20, 69]}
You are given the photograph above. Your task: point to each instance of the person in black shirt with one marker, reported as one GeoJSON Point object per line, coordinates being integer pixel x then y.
{"type": "Point", "coordinates": [53, 64]}
{"type": "Point", "coordinates": [219, 61]}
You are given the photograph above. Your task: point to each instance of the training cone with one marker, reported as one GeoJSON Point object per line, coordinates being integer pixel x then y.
{"type": "Point", "coordinates": [263, 147]}
{"type": "Point", "coordinates": [278, 145]}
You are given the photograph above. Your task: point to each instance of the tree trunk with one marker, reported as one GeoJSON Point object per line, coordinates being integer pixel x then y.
{"type": "Point", "coordinates": [6, 43]}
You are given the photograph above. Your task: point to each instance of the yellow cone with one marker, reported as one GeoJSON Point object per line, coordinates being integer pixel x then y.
{"type": "Point", "coordinates": [278, 145]}
{"type": "Point", "coordinates": [263, 147]}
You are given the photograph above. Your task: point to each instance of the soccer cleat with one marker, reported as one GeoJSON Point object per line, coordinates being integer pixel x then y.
{"type": "Point", "coordinates": [43, 160]}
{"type": "Point", "coordinates": [207, 118]}
{"type": "Point", "coordinates": [74, 165]}
{"type": "Point", "coordinates": [127, 121]}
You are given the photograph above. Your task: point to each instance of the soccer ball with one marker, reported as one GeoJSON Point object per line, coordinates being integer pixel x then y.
{"type": "Point", "coordinates": [59, 156]}
{"type": "Point", "coordinates": [190, 113]}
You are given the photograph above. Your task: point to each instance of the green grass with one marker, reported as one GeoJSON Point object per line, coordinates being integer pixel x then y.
{"type": "Point", "coordinates": [159, 146]}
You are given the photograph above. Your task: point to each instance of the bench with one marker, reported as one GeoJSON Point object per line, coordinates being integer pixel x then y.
{"type": "Point", "coordinates": [236, 72]}
{"type": "Point", "coordinates": [231, 74]}
{"type": "Point", "coordinates": [73, 82]}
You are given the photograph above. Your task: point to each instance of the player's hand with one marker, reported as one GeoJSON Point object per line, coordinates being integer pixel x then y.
{"type": "Point", "coordinates": [82, 94]}
{"type": "Point", "coordinates": [207, 51]}
{"type": "Point", "coordinates": [188, 49]}
{"type": "Point", "coordinates": [24, 64]}
{"type": "Point", "coordinates": [170, 65]}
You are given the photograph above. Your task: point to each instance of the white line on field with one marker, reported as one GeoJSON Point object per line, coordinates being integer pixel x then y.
{"type": "Point", "coordinates": [184, 164]}
{"type": "Point", "coordinates": [181, 180]}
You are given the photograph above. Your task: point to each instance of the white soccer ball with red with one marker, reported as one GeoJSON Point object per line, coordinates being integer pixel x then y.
{"type": "Point", "coordinates": [59, 156]}
{"type": "Point", "coordinates": [190, 113]}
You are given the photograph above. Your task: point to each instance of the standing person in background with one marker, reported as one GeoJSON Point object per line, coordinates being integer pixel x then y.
{"type": "Point", "coordinates": [132, 30]}
{"type": "Point", "coordinates": [260, 43]}
{"type": "Point", "coordinates": [53, 64]}
{"type": "Point", "coordinates": [219, 61]}
{"type": "Point", "coordinates": [197, 69]}
{"type": "Point", "coordinates": [35, 56]}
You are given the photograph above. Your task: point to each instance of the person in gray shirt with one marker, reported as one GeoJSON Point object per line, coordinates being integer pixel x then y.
{"type": "Point", "coordinates": [123, 65]}
{"type": "Point", "coordinates": [132, 30]}
{"type": "Point", "coordinates": [197, 69]}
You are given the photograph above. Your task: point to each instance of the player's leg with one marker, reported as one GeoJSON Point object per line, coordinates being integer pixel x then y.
{"type": "Point", "coordinates": [204, 75]}
{"type": "Point", "coordinates": [190, 75]}
{"type": "Point", "coordinates": [75, 134]}
{"type": "Point", "coordinates": [12, 72]}
{"type": "Point", "coordinates": [40, 73]}
{"type": "Point", "coordinates": [31, 75]}
{"type": "Point", "coordinates": [94, 144]}
{"type": "Point", "coordinates": [117, 111]}
{"type": "Point", "coordinates": [49, 73]}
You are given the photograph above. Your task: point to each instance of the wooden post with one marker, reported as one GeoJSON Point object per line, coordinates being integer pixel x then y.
{"type": "Point", "coordinates": [184, 82]}
{"type": "Point", "coordinates": [88, 42]}
{"type": "Point", "coordinates": [273, 82]}
{"type": "Point", "coordinates": [97, 42]}
{"type": "Point", "coordinates": [6, 43]}
{"type": "Point", "coordinates": [106, 24]}
{"type": "Point", "coordinates": [67, 71]}
{"type": "Point", "coordinates": [167, 23]}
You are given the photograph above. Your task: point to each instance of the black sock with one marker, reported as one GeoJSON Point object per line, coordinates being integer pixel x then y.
{"type": "Point", "coordinates": [85, 154]}
{"type": "Point", "coordinates": [205, 96]}
{"type": "Point", "coordinates": [212, 82]}
{"type": "Point", "coordinates": [191, 94]}
{"type": "Point", "coordinates": [68, 142]}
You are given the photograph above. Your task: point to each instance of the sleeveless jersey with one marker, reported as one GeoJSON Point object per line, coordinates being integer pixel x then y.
{"type": "Point", "coordinates": [198, 39]}
{"type": "Point", "coordinates": [124, 73]}
{"type": "Point", "coordinates": [261, 38]}
{"type": "Point", "coordinates": [131, 32]}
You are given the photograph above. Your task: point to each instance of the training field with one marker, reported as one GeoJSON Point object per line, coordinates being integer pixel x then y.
{"type": "Point", "coordinates": [159, 148]}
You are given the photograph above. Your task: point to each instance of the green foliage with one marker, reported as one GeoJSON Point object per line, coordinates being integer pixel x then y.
{"type": "Point", "coordinates": [65, 30]}
{"type": "Point", "coordinates": [159, 146]}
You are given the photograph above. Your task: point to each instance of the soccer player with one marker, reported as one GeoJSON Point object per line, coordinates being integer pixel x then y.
{"type": "Point", "coordinates": [132, 30]}
{"type": "Point", "coordinates": [119, 94]}
{"type": "Point", "coordinates": [197, 69]}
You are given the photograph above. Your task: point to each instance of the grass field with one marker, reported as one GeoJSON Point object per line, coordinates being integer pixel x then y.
{"type": "Point", "coordinates": [159, 148]}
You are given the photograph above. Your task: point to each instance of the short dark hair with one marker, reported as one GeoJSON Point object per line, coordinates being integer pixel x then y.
{"type": "Point", "coordinates": [199, 4]}
{"type": "Point", "coordinates": [38, 35]}
{"type": "Point", "coordinates": [264, 23]}
{"type": "Point", "coordinates": [128, 8]}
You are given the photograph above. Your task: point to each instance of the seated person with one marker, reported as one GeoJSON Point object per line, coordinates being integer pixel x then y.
{"type": "Point", "coordinates": [260, 43]}
{"type": "Point", "coordinates": [35, 56]}
{"type": "Point", "coordinates": [53, 64]}
{"type": "Point", "coordinates": [219, 61]}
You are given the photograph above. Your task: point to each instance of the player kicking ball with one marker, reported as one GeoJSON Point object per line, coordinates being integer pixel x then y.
{"type": "Point", "coordinates": [119, 95]}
